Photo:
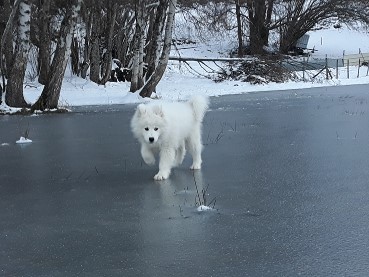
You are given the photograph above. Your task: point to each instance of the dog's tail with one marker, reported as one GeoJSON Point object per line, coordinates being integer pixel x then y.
{"type": "Point", "coordinates": [199, 105]}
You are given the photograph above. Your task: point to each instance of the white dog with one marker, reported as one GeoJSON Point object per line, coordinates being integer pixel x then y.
{"type": "Point", "coordinates": [168, 129]}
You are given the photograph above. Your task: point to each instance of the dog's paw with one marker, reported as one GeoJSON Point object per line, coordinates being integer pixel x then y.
{"type": "Point", "coordinates": [161, 176]}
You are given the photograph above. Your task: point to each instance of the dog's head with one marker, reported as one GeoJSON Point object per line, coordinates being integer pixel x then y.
{"type": "Point", "coordinates": [151, 122]}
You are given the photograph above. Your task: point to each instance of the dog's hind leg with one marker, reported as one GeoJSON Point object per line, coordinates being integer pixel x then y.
{"type": "Point", "coordinates": [194, 147]}
{"type": "Point", "coordinates": [167, 157]}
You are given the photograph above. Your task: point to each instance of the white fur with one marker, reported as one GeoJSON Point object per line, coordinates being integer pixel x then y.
{"type": "Point", "coordinates": [168, 129]}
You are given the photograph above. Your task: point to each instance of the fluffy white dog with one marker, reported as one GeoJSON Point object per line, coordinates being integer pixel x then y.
{"type": "Point", "coordinates": [168, 129]}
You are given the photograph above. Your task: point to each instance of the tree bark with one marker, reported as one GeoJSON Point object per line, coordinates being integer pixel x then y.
{"type": "Point", "coordinates": [44, 42]}
{"type": "Point", "coordinates": [85, 64]}
{"type": "Point", "coordinates": [107, 59]}
{"type": "Point", "coordinates": [139, 40]}
{"type": "Point", "coordinates": [154, 48]}
{"type": "Point", "coordinates": [50, 94]}
{"type": "Point", "coordinates": [260, 12]}
{"type": "Point", "coordinates": [14, 88]}
{"type": "Point", "coordinates": [239, 29]}
{"type": "Point", "coordinates": [74, 57]}
{"type": "Point", "coordinates": [123, 39]}
{"type": "Point", "coordinates": [6, 49]}
{"type": "Point", "coordinates": [95, 47]}
{"type": "Point", "coordinates": [154, 79]}
{"type": "Point", "coordinates": [5, 10]}
{"type": "Point", "coordinates": [7, 39]}
{"type": "Point", "coordinates": [256, 18]}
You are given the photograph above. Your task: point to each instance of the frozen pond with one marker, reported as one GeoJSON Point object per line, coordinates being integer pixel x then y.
{"type": "Point", "coordinates": [288, 171]}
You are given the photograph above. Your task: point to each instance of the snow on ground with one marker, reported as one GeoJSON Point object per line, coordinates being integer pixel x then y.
{"type": "Point", "coordinates": [204, 208]}
{"type": "Point", "coordinates": [335, 42]}
{"type": "Point", "coordinates": [181, 81]}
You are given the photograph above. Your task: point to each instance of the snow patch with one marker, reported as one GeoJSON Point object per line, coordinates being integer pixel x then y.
{"type": "Point", "coordinates": [203, 208]}
{"type": "Point", "coordinates": [23, 140]}
{"type": "Point", "coordinates": [5, 109]}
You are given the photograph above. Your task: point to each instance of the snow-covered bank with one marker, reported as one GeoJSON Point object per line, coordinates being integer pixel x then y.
{"type": "Point", "coordinates": [181, 81]}
{"type": "Point", "coordinates": [179, 84]}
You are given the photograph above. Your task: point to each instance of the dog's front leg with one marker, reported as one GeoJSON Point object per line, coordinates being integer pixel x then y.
{"type": "Point", "coordinates": [147, 155]}
{"type": "Point", "coordinates": [167, 156]}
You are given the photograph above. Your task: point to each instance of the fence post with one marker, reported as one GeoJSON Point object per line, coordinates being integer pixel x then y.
{"type": "Point", "coordinates": [303, 69]}
{"type": "Point", "coordinates": [326, 67]}
{"type": "Point", "coordinates": [358, 69]}
{"type": "Point", "coordinates": [337, 69]}
{"type": "Point", "coordinates": [348, 69]}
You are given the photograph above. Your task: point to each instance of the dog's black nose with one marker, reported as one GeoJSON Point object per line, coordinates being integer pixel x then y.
{"type": "Point", "coordinates": [151, 139]}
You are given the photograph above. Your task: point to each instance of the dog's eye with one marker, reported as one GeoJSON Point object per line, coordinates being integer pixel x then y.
{"type": "Point", "coordinates": [155, 129]}
{"type": "Point", "coordinates": [147, 128]}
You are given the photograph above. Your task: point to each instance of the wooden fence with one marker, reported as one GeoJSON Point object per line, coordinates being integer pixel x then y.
{"type": "Point", "coordinates": [355, 59]}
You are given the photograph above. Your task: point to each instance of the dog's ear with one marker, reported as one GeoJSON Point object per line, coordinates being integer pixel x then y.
{"type": "Point", "coordinates": [141, 109]}
{"type": "Point", "coordinates": [158, 110]}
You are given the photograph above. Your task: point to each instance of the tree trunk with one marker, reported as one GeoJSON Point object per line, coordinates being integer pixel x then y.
{"type": "Point", "coordinates": [268, 21]}
{"type": "Point", "coordinates": [239, 29]}
{"type": "Point", "coordinates": [95, 47]}
{"type": "Point", "coordinates": [153, 52]}
{"type": "Point", "coordinates": [74, 57]}
{"type": "Point", "coordinates": [151, 84]}
{"type": "Point", "coordinates": [14, 88]}
{"type": "Point", "coordinates": [5, 10]}
{"type": "Point", "coordinates": [85, 64]}
{"type": "Point", "coordinates": [107, 60]}
{"type": "Point", "coordinates": [256, 17]}
{"type": "Point", "coordinates": [6, 49]}
{"type": "Point", "coordinates": [7, 40]}
{"type": "Point", "coordinates": [44, 53]}
{"type": "Point", "coordinates": [259, 18]}
{"type": "Point", "coordinates": [289, 38]}
{"type": "Point", "coordinates": [139, 40]}
{"type": "Point", "coordinates": [95, 60]}
{"type": "Point", "coordinates": [285, 43]}
{"type": "Point", "coordinates": [122, 40]}
{"type": "Point", "coordinates": [50, 94]}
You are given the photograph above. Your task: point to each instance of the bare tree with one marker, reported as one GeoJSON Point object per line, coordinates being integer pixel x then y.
{"type": "Point", "coordinates": [240, 34]}
{"type": "Point", "coordinates": [100, 22]}
{"type": "Point", "coordinates": [158, 73]}
{"type": "Point", "coordinates": [124, 36]}
{"type": "Point", "coordinates": [41, 37]}
{"type": "Point", "coordinates": [95, 23]}
{"type": "Point", "coordinates": [259, 16]}
{"type": "Point", "coordinates": [300, 16]}
{"type": "Point", "coordinates": [109, 31]}
{"type": "Point", "coordinates": [50, 94]}
{"type": "Point", "coordinates": [6, 23]}
{"type": "Point", "coordinates": [155, 38]}
{"type": "Point", "coordinates": [139, 43]}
